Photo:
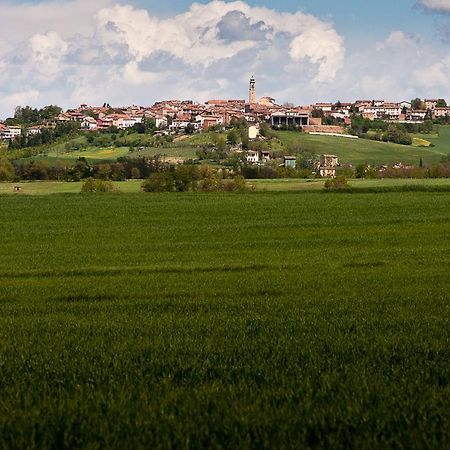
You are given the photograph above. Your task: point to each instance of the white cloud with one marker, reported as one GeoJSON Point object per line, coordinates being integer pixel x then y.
{"type": "Point", "coordinates": [399, 39]}
{"type": "Point", "coordinates": [434, 77]}
{"type": "Point", "coordinates": [436, 5]}
{"type": "Point", "coordinates": [48, 51]}
{"type": "Point", "coordinates": [80, 51]}
{"type": "Point", "coordinates": [100, 51]}
{"type": "Point", "coordinates": [194, 36]}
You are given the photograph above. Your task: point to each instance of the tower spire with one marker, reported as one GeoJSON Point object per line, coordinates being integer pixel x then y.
{"type": "Point", "coordinates": [252, 91]}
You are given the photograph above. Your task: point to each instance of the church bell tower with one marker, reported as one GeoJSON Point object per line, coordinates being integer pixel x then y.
{"type": "Point", "coordinates": [252, 91]}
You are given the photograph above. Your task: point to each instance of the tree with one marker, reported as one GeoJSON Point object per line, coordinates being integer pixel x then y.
{"type": "Point", "coordinates": [417, 103]}
{"type": "Point", "coordinates": [339, 182]}
{"type": "Point", "coordinates": [441, 103]}
{"type": "Point", "coordinates": [159, 182]}
{"type": "Point", "coordinates": [190, 129]}
{"type": "Point", "coordinates": [361, 170]}
{"type": "Point", "coordinates": [317, 113]}
{"type": "Point", "coordinates": [93, 185]}
{"type": "Point", "coordinates": [7, 171]}
{"type": "Point", "coordinates": [233, 137]}
{"type": "Point", "coordinates": [135, 173]}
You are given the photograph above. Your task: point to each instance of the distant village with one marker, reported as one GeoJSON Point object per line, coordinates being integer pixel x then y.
{"type": "Point", "coordinates": [177, 116]}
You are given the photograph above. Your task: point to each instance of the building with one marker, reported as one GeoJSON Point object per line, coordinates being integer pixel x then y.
{"type": "Point", "coordinates": [288, 119]}
{"type": "Point", "coordinates": [328, 165]}
{"type": "Point", "coordinates": [253, 132]}
{"type": "Point", "coordinates": [33, 131]}
{"type": "Point", "coordinates": [432, 103]}
{"type": "Point", "coordinates": [267, 101]}
{"type": "Point", "coordinates": [253, 157]}
{"type": "Point", "coordinates": [442, 112]}
{"type": "Point", "coordinates": [290, 161]}
{"type": "Point", "coordinates": [252, 91]}
{"type": "Point", "coordinates": [11, 132]}
{"type": "Point", "coordinates": [265, 154]}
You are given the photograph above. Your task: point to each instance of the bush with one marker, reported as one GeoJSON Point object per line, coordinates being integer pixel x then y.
{"type": "Point", "coordinates": [95, 185]}
{"type": "Point", "coordinates": [159, 182]}
{"type": "Point", "coordinates": [339, 182]}
{"type": "Point", "coordinates": [237, 184]}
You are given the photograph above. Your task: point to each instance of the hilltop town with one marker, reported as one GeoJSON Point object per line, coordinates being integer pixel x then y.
{"type": "Point", "coordinates": [246, 133]}
{"type": "Point", "coordinates": [172, 116]}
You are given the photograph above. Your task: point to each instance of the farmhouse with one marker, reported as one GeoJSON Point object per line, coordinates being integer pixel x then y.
{"type": "Point", "coordinates": [290, 161]}
{"type": "Point", "coordinates": [253, 157]}
{"type": "Point", "coordinates": [328, 165]}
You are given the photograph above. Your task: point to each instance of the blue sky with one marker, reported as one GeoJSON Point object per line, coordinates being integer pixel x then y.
{"type": "Point", "coordinates": [135, 51]}
{"type": "Point", "coordinates": [355, 18]}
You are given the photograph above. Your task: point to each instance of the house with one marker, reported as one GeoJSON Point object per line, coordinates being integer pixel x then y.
{"type": "Point", "coordinates": [328, 165]}
{"type": "Point", "coordinates": [418, 115]}
{"type": "Point", "coordinates": [405, 104]}
{"type": "Point", "coordinates": [161, 122]}
{"type": "Point", "coordinates": [325, 107]}
{"type": "Point", "coordinates": [432, 103]}
{"type": "Point", "coordinates": [178, 125]}
{"type": "Point", "coordinates": [104, 123]}
{"type": "Point", "coordinates": [11, 132]}
{"type": "Point", "coordinates": [253, 132]}
{"type": "Point", "coordinates": [290, 161]}
{"type": "Point", "coordinates": [253, 157]}
{"type": "Point", "coordinates": [266, 101]}
{"type": "Point", "coordinates": [33, 131]}
{"type": "Point", "coordinates": [89, 123]}
{"type": "Point", "coordinates": [265, 155]}
{"type": "Point", "coordinates": [207, 121]}
{"type": "Point", "coordinates": [442, 112]}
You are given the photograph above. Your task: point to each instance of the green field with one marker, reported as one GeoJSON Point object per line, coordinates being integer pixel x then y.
{"type": "Point", "coordinates": [261, 320]}
{"type": "Point", "coordinates": [62, 187]}
{"type": "Point", "coordinates": [275, 185]}
{"type": "Point", "coordinates": [318, 184]}
{"type": "Point", "coordinates": [364, 151]}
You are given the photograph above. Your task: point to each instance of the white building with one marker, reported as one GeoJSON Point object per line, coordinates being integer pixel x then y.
{"type": "Point", "coordinates": [328, 165]}
{"type": "Point", "coordinates": [32, 131]}
{"type": "Point", "coordinates": [253, 132]}
{"type": "Point", "coordinates": [89, 123]}
{"type": "Point", "coordinates": [253, 157]}
{"type": "Point", "coordinates": [11, 132]}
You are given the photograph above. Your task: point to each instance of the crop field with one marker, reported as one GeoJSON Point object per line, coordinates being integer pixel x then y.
{"type": "Point", "coordinates": [362, 151]}
{"type": "Point", "coordinates": [262, 320]}
{"type": "Point", "coordinates": [292, 184]}
{"type": "Point", "coordinates": [62, 187]}
{"type": "Point", "coordinates": [271, 185]}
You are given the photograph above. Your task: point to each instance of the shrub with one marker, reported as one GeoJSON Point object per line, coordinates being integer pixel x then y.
{"type": "Point", "coordinates": [159, 182]}
{"type": "Point", "coordinates": [339, 182]}
{"type": "Point", "coordinates": [96, 185]}
{"type": "Point", "coordinates": [237, 184]}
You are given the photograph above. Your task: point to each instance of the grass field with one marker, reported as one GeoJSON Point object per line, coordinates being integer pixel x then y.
{"type": "Point", "coordinates": [361, 151]}
{"type": "Point", "coordinates": [318, 184]}
{"type": "Point", "coordinates": [225, 321]}
{"type": "Point", "coordinates": [440, 139]}
{"type": "Point", "coordinates": [61, 187]}
{"type": "Point", "coordinates": [276, 185]}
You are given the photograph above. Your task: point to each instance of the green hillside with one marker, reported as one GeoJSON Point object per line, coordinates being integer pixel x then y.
{"type": "Point", "coordinates": [358, 151]}
{"type": "Point", "coordinates": [349, 151]}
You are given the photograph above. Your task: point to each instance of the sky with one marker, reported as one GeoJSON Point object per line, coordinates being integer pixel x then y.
{"type": "Point", "coordinates": [125, 52]}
